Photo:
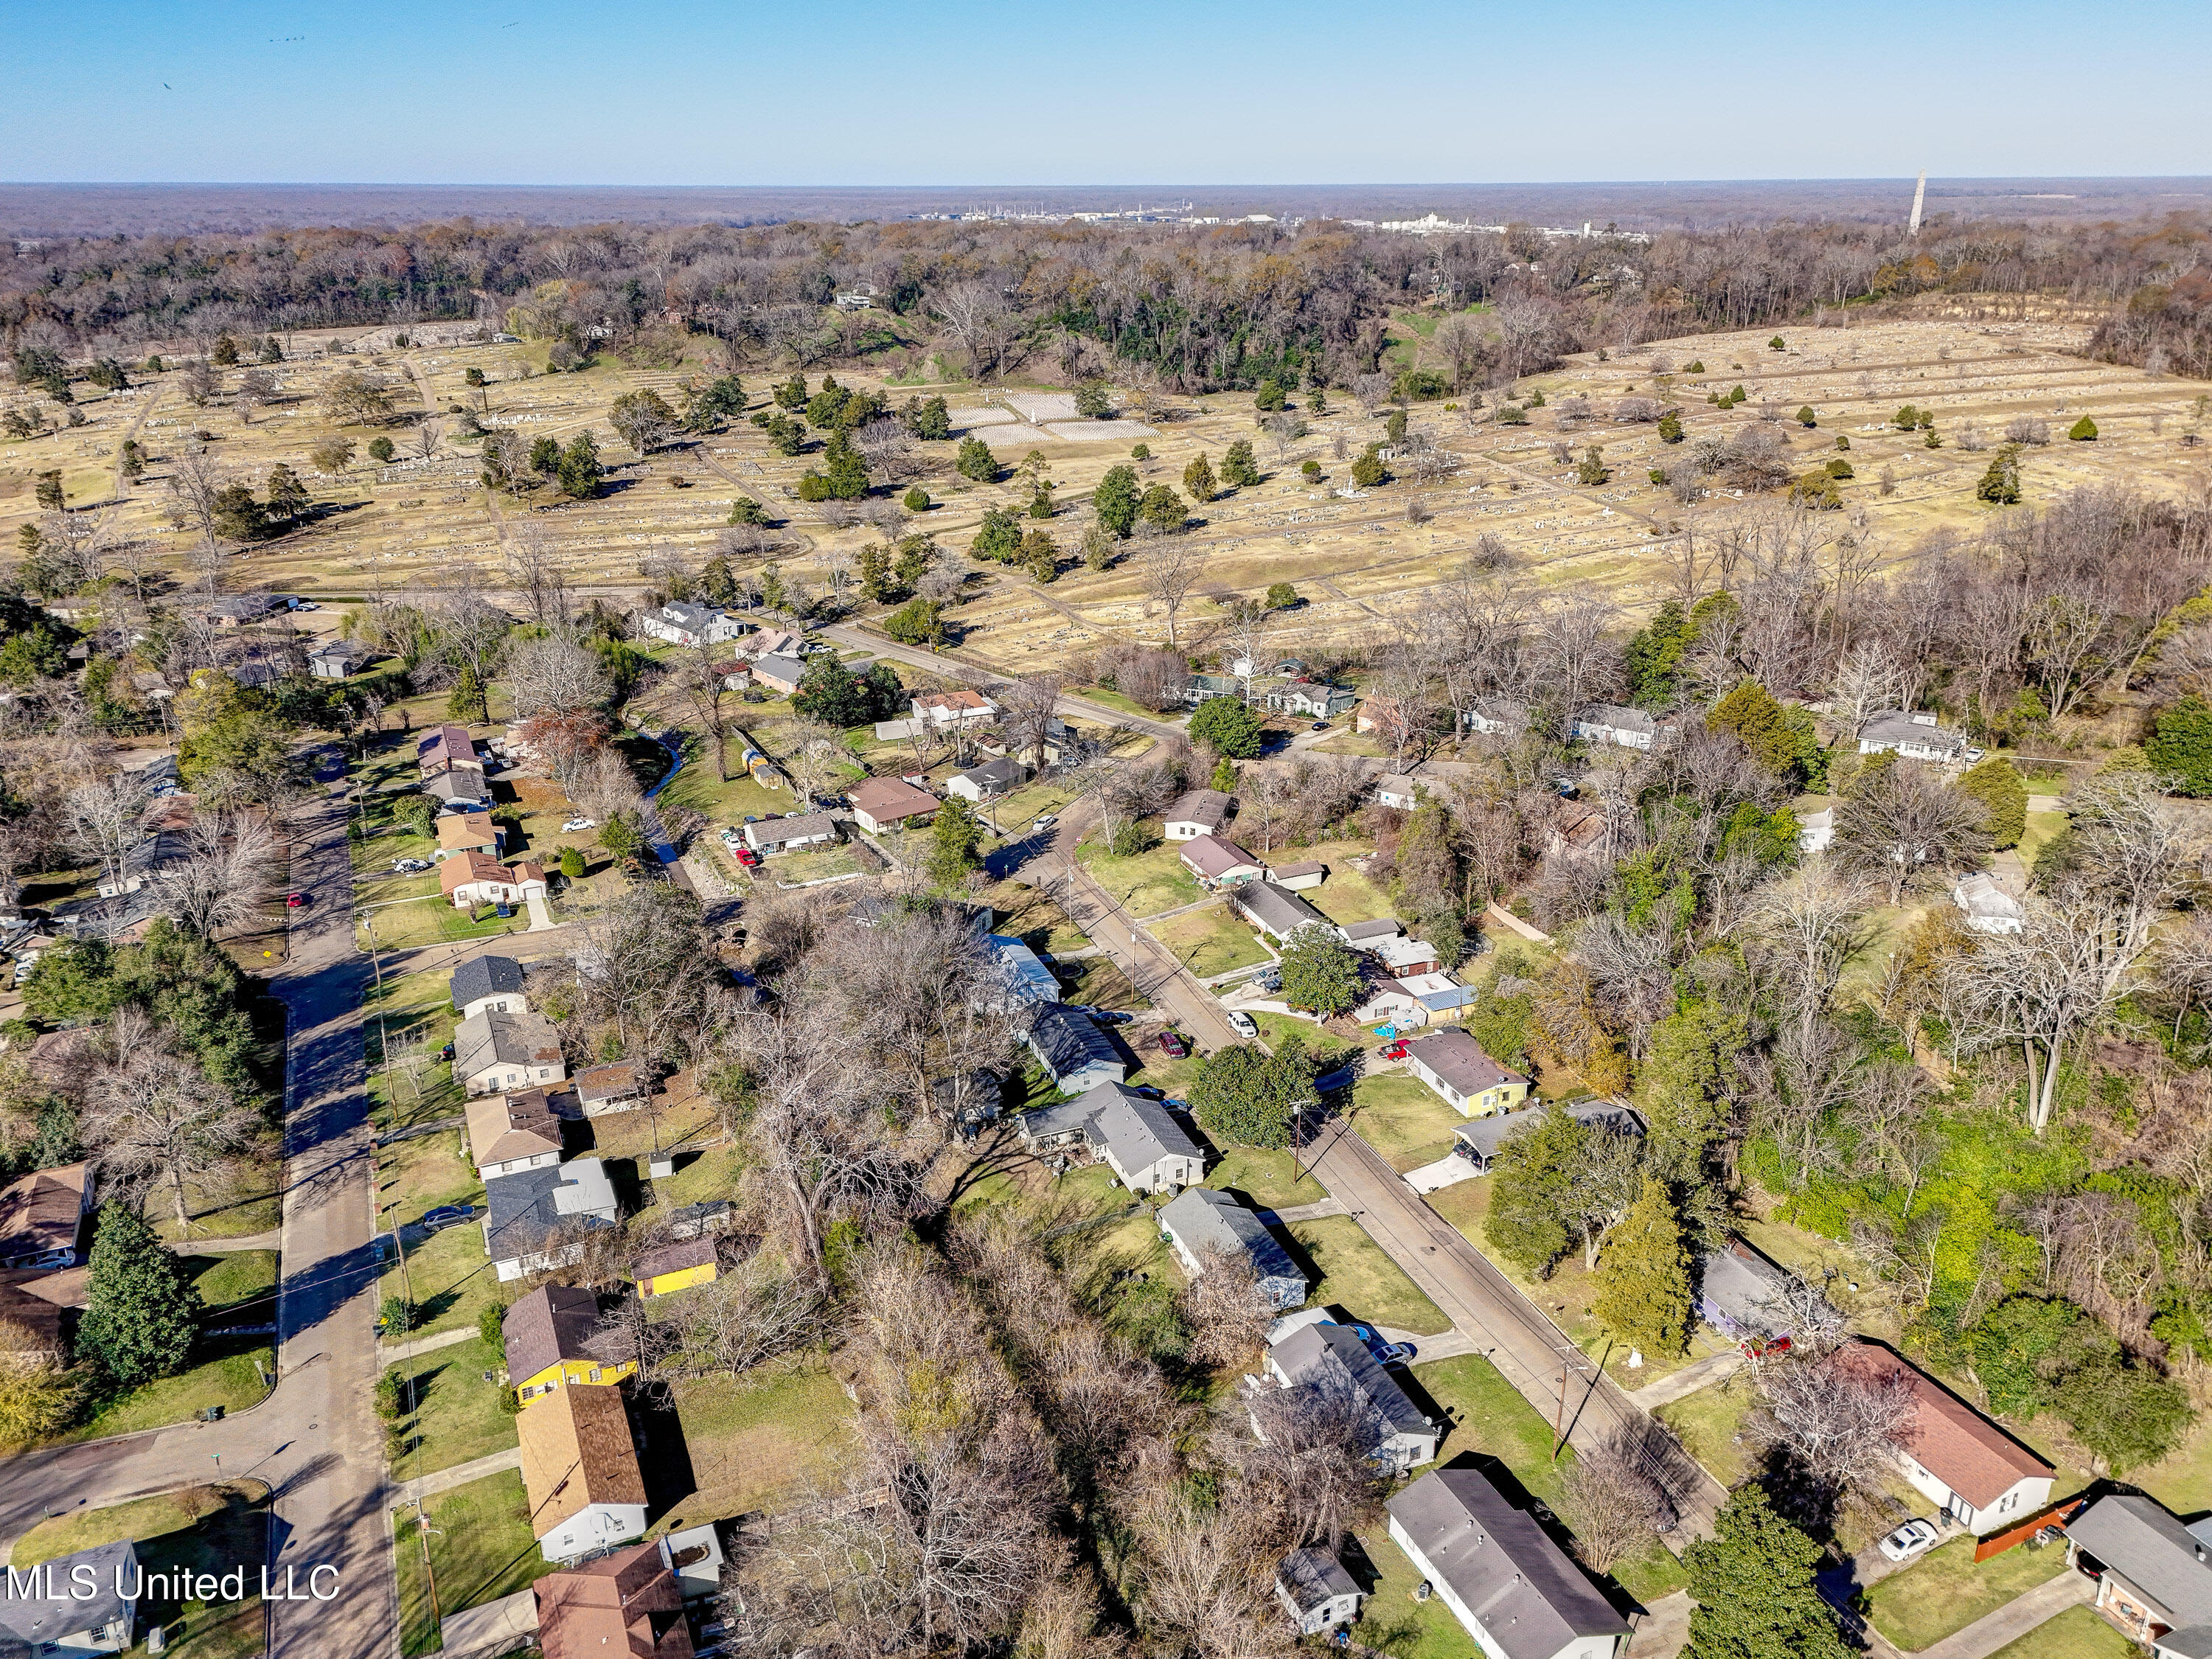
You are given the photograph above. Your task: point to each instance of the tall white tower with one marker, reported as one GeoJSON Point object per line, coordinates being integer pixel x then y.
{"type": "Point", "coordinates": [1919, 199]}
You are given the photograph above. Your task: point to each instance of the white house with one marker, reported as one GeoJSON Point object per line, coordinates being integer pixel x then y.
{"type": "Point", "coordinates": [1317, 1591]}
{"type": "Point", "coordinates": [1989, 908]}
{"type": "Point", "coordinates": [681, 623]}
{"type": "Point", "coordinates": [1816, 830]}
{"type": "Point", "coordinates": [782, 835]}
{"type": "Point", "coordinates": [497, 1053]}
{"type": "Point", "coordinates": [1332, 1359]}
{"type": "Point", "coordinates": [1495, 716]}
{"type": "Point", "coordinates": [75, 1603]}
{"type": "Point", "coordinates": [964, 706]}
{"type": "Point", "coordinates": [1615, 723]}
{"type": "Point", "coordinates": [1517, 1593]}
{"type": "Point", "coordinates": [581, 1472]}
{"type": "Point", "coordinates": [1981, 1476]}
{"type": "Point", "coordinates": [475, 878]}
{"type": "Point", "coordinates": [1200, 812]}
{"type": "Point", "coordinates": [1396, 789]}
{"type": "Point", "coordinates": [509, 1133]}
{"type": "Point", "coordinates": [1216, 862]}
{"type": "Point", "coordinates": [535, 1218]}
{"type": "Point", "coordinates": [988, 782]}
{"type": "Point", "coordinates": [1137, 1138]}
{"type": "Point", "coordinates": [489, 984]}
{"type": "Point", "coordinates": [1917, 736]}
{"type": "Point", "coordinates": [1201, 1223]}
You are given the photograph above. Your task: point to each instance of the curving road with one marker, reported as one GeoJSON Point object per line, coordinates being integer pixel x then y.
{"type": "Point", "coordinates": [314, 1440]}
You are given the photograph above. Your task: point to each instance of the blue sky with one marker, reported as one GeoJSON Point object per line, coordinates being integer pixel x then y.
{"type": "Point", "coordinates": [550, 92]}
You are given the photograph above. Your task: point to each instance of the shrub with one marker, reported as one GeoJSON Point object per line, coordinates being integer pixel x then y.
{"type": "Point", "coordinates": [1842, 442]}
{"type": "Point", "coordinates": [2179, 748]}
{"type": "Point", "coordinates": [1657, 477]}
{"type": "Point", "coordinates": [397, 1314]}
{"type": "Point", "coordinates": [1670, 428]}
{"type": "Point", "coordinates": [917, 499]}
{"type": "Point", "coordinates": [1906, 418]}
{"type": "Point", "coordinates": [1310, 470]}
{"type": "Point", "coordinates": [379, 449]}
{"type": "Point", "coordinates": [1697, 367]}
{"type": "Point", "coordinates": [1420, 386]}
{"type": "Point", "coordinates": [1839, 468]}
{"type": "Point", "coordinates": [1805, 415]}
{"type": "Point", "coordinates": [1512, 415]}
{"type": "Point", "coordinates": [1776, 344]}
{"type": "Point", "coordinates": [2083, 431]}
{"type": "Point", "coordinates": [1931, 439]}
{"type": "Point", "coordinates": [1816, 490]}
{"type": "Point", "coordinates": [1281, 596]}
{"type": "Point", "coordinates": [1593, 470]}
{"type": "Point", "coordinates": [1270, 399]}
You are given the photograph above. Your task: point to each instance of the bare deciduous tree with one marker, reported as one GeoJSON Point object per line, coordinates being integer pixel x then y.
{"type": "Point", "coordinates": [1170, 566]}
{"type": "Point", "coordinates": [221, 877]}
{"type": "Point", "coordinates": [153, 1116]}
{"type": "Point", "coordinates": [1614, 1505]}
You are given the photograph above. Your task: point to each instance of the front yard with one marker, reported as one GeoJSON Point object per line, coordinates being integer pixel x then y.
{"type": "Point", "coordinates": [1357, 1277]}
{"type": "Point", "coordinates": [1210, 941]}
{"type": "Point", "coordinates": [455, 1416]}
{"type": "Point", "coordinates": [1944, 1591]}
{"type": "Point", "coordinates": [755, 1441]}
{"type": "Point", "coordinates": [481, 1549]}
{"type": "Point", "coordinates": [1150, 882]}
{"type": "Point", "coordinates": [1402, 1119]}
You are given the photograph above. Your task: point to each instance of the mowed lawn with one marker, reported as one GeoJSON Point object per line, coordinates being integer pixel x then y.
{"type": "Point", "coordinates": [757, 1441]}
{"type": "Point", "coordinates": [1264, 1178]}
{"type": "Point", "coordinates": [480, 1548]}
{"type": "Point", "coordinates": [1401, 1118]}
{"type": "Point", "coordinates": [1145, 884]}
{"type": "Point", "coordinates": [1944, 1591]}
{"type": "Point", "coordinates": [2076, 1633]}
{"type": "Point", "coordinates": [1210, 941]}
{"type": "Point", "coordinates": [456, 1416]}
{"type": "Point", "coordinates": [1358, 1278]}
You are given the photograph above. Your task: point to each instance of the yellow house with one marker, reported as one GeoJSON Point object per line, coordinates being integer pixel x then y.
{"type": "Point", "coordinates": [553, 1338]}
{"type": "Point", "coordinates": [1453, 1065]}
{"type": "Point", "coordinates": [675, 1267]}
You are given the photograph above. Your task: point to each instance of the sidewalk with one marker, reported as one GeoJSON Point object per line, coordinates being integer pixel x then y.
{"type": "Point", "coordinates": [393, 1353]}
{"type": "Point", "coordinates": [409, 1492]}
{"type": "Point", "coordinates": [2015, 1618]}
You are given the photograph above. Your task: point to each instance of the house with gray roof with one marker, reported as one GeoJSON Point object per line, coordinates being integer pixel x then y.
{"type": "Point", "coordinates": [1617, 723]}
{"type": "Point", "coordinates": [1516, 1591]}
{"type": "Point", "coordinates": [1136, 1137]}
{"type": "Point", "coordinates": [1459, 1072]}
{"type": "Point", "coordinates": [1317, 1591]}
{"type": "Point", "coordinates": [1022, 976]}
{"type": "Point", "coordinates": [1275, 911]}
{"type": "Point", "coordinates": [989, 780]}
{"type": "Point", "coordinates": [682, 623]}
{"type": "Point", "coordinates": [1200, 1223]}
{"type": "Point", "coordinates": [73, 1603]}
{"type": "Point", "coordinates": [337, 658]}
{"type": "Point", "coordinates": [1069, 1045]}
{"type": "Point", "coordinates": [489, 984]}
{"type": "Point", "coordinates": [535, 1219]}
{"type": "Point", "coordinates": [1915, 735]}
{"type": "Point", "coordinates": [1478, 1142]}
{"type": "Point", "coordinates": [1331, 1358]}
{"type": "Point", "coordinates": [1366, 935]}
{"type": "Point", "coordinates": [2157, 1579]}
{"type": "Point", "coordinates": [500, 1054]}
{"type": "Point", "coordinates": [1200, 812]}
{"type": "Point", "coordinates": [782, 835]}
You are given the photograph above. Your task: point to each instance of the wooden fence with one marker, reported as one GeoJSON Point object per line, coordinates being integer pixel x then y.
{"type": "Point", "coordinates": [2055, 1515]}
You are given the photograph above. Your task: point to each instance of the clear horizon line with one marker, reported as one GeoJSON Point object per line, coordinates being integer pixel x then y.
{"type": "Point", "coordinates": [1375, 183]}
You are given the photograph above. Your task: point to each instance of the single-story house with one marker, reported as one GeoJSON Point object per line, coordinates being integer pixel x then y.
{"type": "Point", "coordinates": [1365, 935]}
{"type": "Point", "coordinates": [1406, 958]}
{"type": "Point", "coordinates": [473, 879]}
{"type": "Point", "coordinates": [782, 835]}
{"type": "Point", "coordinates": [487, 984]}
{"type": "Point", "coordinates": [675, 1267]}
{"type": "Point", "coordinates": [468, 832]}
{"type": "Point", "coordinates": [1274, 912]}
{"type": "Point", "coordinates": [1199, 687]}
{"type": "Point", "coordinates": [964, 706]}
{"type": "Point", "coordinates": [1331, 1357]}
{"type": "Point", "coordinates": [1300, 877]}
{"type": "Point", "coordinates": [237, 610]}
{"type": "Point", "coordinates": [445, 745]}
{"type": "Point", "coordinates": [2157, 1583]}
{"type": "Point", "coordinates": [1478, 1142]}
{"type": "Point", "coordinates": [336, 659]}
{"type": "Point", "coordinates": [1021, 972]}
{"type": "Point", "coordinates": [878, 804]}
{"type": "Point", "coordinates": [776, 642]}
{"type": "Point", "coordinates": [1200, 812]}
{"type": "Point", "coordinates": [524, 1213]}
{"type": "Point", "coordinates": [75, 1603]}
{"type": "Point", "coordinates": [1981, 1475]}
{"type": "Point", "coordinates": [553, 1341]}
{"type": "Point", "coordinates": [1028, 748]}
{"type": "Point", "coordinates": [1616, 723]}
{"type": "Point", "coordinates": [1816, 830]}
{"type": "Point", "coordinates": [457, 786]}
{"type": "Point", "coordinates": [1989, 908]}
{"type": "Point", "coordinates": [1396, 789]}
{"type": "Point", "coordinates": [1388, 714]}
{"type": "Point", "coordinates": [1495, 716]}
{"type": "Point", "coordinates": [512, 1132]}
{"type": "Point", "coordinates": [1915, 736]}
{"type": "Point", "coordinates": [153, 854]}
{"type": "Point", "coordinates": [781, 674]}
{"type": "Point", "coordinates": [993, 779]}
{"type": "Point", "coordinates": [735, 675]}
{"type": "Point", "coordinates": [1517, 1593]}
{"type": "Point", "coordinates": [1137, 1138]}
{"type": "Point", "coordinates": [681, 623]}
{"type": "Point", "coordinates": [603, 1090]}
{"type": "Point", "coordinates": [1739, 1293]}
{"type": "Point", "coordinates": [499, 1054]}
{"type": "Point", "coordinates": [1071, 1047]}
{"type": "Point", "coordinates": [1200, 1223]}
{"type": "Point", "coordinates": [1417, 999]}
{"type": "Point", "coordinates": [42, 1216]}
{"type": "Point", "coordinates": [579, 1469]}
{"type": "Point", "coordinates": [1216, 862]}
{"type": "Point", "coordinates": [624, 1606]}
{"type": "Point", "coordinates": [1455, 1069]}
{"type": "Point", "coordinates": [1313, 699]}
{"type": "Point", "coordinates": [1317, 1591]}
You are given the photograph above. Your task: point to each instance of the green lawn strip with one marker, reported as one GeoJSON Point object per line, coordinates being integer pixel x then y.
{"type": "Point", "coordinates": [1210, 941]}
{"type": "Point", "coordinates": [1265, 1178]}
{"type": "Point", "coordinates": [415, 1014]}
{"type": "Point", "coordinates": [434, 921]}
{"type": "Point", "coordinates": [813, 863]}
{"type": "Point", "coordinates": [239, 1286]}
{"type": "Point", "coordinates": [453, 1280]}
{"type": "Point", "coordinates": [1710, 1426]}
{"type": "Point", "coordinates": [1402, 1119]}
{"type": "Point", "coordinates": [755, 1441]}
{"type": "Point", "coordinates": [1145, 884]}
{"type": "Point", "coordinates": [1944, 1591]}
{"type": "Point", "coordinates": [2076, 1633]}
{"type": "Point", "coordinates": [2181, 1478]}
{"type": "Point", "coordinates": [457, 1415]}
{"type": "Point", "coordinates": [423, 1173]}
{"type": "Point", "coordinates": [225, 1377]}
{"type": "Point", "coordinates": [1099, 984]}
{"type": "Point", "coordinates": [1344, 894]}
{"type": "Point", "coordinates": [231, 1535]}
{"type": "Point", "coordinates": [1357, 1276]}
{"type": "Point", "coordinates": [251, 1205]}
{"type": "Point", "coordinates": [481, 1549]}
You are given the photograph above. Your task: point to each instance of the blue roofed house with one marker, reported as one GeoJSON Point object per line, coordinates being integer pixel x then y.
{"type": "Point", "coordinates": [1200, 1223]}
{"type": "Point", "coordinates": [1070, 1046]}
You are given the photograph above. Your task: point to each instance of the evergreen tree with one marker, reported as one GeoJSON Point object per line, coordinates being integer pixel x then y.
{"type": "Point", "coordinates": [1041, 556]}
{"type": "Point", "coordinates": [1752, 1586]}
{"type": "Point", "coordinates": [1271, 397]}
{"type": "Point", "coordinates": [225, 354]}
{"type": "Point", "coordinates": [1319, 973]}
{"type": "Point", "coordinates": [545, 456]}
{"type": "Point", "coordinates": [1198, 480]}
{"type": "Point", "coordinates": [48, 491]}
{"type": "Point", "coordinates": [1092, 401]}
{"type": "Point", "coordinates": [2083, 431]}
{"type": "Point", "coordinates": [1532, 1192]}
{"type": "Point", "coordinates": [954, 840]}
{"type": "Point", "coordinates": [916, 622]}
{"type": "Point", "coordinates": [1226, 726]}
{"type": "Point", "coordinates": [830, 692]}
{"type": "Point", "coordinates": [917, 499]}
{"type": "Point", "coordinates": [791, 394]}
{"type": "Point", "coordinates": [1593, 470]}
{"type": "Point", "coordinates": [976, 461]}
{"type": "Point", "coordinates": [1237, 466]}
{"type": "Point", "coordinates": [998, 538]}
{"type": "Point", "coordinates": [142, 1308]}
{"type": "Point", "coordinates": [1999, 483]}
{"type": "Point", "coordinates": [1679, 1088]}
{"type": "Point", "coordinates": [580, 471]}
{"type": "Point", "coordinates": [572, 863]}
{"type": "Point", "coordinates": [1225, 775]}
{"type": "Point", "coordinates": [287, 495]}
{"type": "Point", "coordinates": [1245, 1095]}
{"type": "Point", "coordinates": [927, 419]}
{"type": "Point", "coordinates": [1281, 596]}
{"type": "Point", "coordinates": [1655, 656]}
{"type": "Point", "coordinates": [1751, 713]}
{"type": "Point", "coordinates": [1670, 428]}
{"type": "Point", "coordinates": [2180, 747]}
{"type": "Point", "coordinates": [1643, 1278]}
{"type": "Point", "coordinates": [874, 565]}
{"type": "Point", "coordinates": [1115, 500]}
{"type": "Point", "coordinates": [1368, 472]}
{"type": "Point", "coordinates": [842, 465]}
{"type": "Point", "coordinates": [2003, 795]}
{"type": "Point", "coordinates": [1163, 509]}
{"type": "Point", "coordinates": [745, 510]}
{"type": "Point", "coordinates": [468, 701]}
{"type": "Point", "coordinates": [916, 553]}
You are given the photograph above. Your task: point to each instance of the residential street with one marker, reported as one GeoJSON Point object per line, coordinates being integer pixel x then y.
{"type": "Point", "coordinates": [314, 1440]}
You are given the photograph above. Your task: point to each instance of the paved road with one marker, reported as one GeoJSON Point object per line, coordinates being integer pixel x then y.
{"type": "Point", "coordinates": [314, 1440]}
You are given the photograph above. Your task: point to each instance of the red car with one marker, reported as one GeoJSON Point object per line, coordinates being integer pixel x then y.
{"type": "Point", "coordinates": [295, 901]}
{"type": "Point", "coordinates": [1397, 1050]}
{"type": "Point", "coordinates": [1172, 1046]}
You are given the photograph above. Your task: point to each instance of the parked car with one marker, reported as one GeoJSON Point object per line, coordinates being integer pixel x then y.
{"type": "Point", "coordinates": [1045, 822]}
{"type": "Point", "coordinates": [294, 901]}
{"type": "Point", "coordinates": [580, 824]}
{"type": "Point", "coordinates": [1321, 726]}
{"type": "Point", "coordinates": [1910, 1539]}
{"type": "Point", "coordinates": [1396, 1353]}
{"type": "Point", "coordinates": [1173, 1046]}
{"type": "Point", "coordinates": [503, 910]}
{"type": "Point", "coordinates": [1397, 1050]}
{"type": "Point", "coordinates": [1152, 1093]}
{"type": "Point", "coordinates": [411, 866]}
{"type": "Point", "coordinates": [447, 1215]}
{"type": "Point", "coordinates": [1268, 979]}
{"type": "Point", "coordinates": [1242, 1024]}
{"type": "Point", "coordinates": [1759, 1347]}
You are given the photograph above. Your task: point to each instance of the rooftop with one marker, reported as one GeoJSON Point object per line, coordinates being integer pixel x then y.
{"type": "Point", "coordinates": [1068, 1039]}
{"type": "Point", "coordinates": [576, 1452]}
{"type": "Point", "coordinates": [1208, 806]}
{"type": "Point", "coordinates": [524, 1209]}
{"type": "Point", "coordinates": [2152, 1550]}
{"type": "Point", "coordinates": [1214, 856]}
{"type": "Point", "coordinates": [1282, 912]}
{"type": "Point", "coordinates": [555, 1322]}
{"type": "Point", "coordinates": [1209, 1220]}
{"type": "Point", "coordinates": [504, 1127]}
{"type": "Point", "coordinates": [1950, 1439]}
{"type": "Point", "coordinates": [520, 1038]}
{"type": "Point", "coordinates": [891, 798]}
{"type": "Point", "coordinates": [41, 1211]}
{"type": "Point", "coordinates": [486, 976]}
{"type": "Point", "coordinates": [1461, 1062]}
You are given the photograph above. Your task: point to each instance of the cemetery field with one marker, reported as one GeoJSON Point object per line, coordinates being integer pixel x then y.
{"type": "Point", "coordinates": [1355, 559]}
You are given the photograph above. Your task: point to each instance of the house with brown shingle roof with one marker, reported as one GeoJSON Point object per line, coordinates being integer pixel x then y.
{"type": "Point", "coordinates": [41, 1216]}
{"type": "Point", "coordinates": [512, 1132]}
{"type": "Point", "coordinates": [553, 1340]}
{"type": "Point", "coordinates": [880, 803]}
{"type": "Point", "coordinates": [1980, 1474]}
{"type": "Point", "coordinates": [1216, 861]}
{"type": "Point", "coordinates": [443, 747]}
{"type": "Point", "coordinates": [475, 878]}
{"type": "Point", "coordinates": [504, 1054]}
{"type": "Point", "coordinates": [624, 1606]}
{"type": "Point", "coordinates": [579, 1468]}
{"type": "Point", "coordinates": [467, 832]}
